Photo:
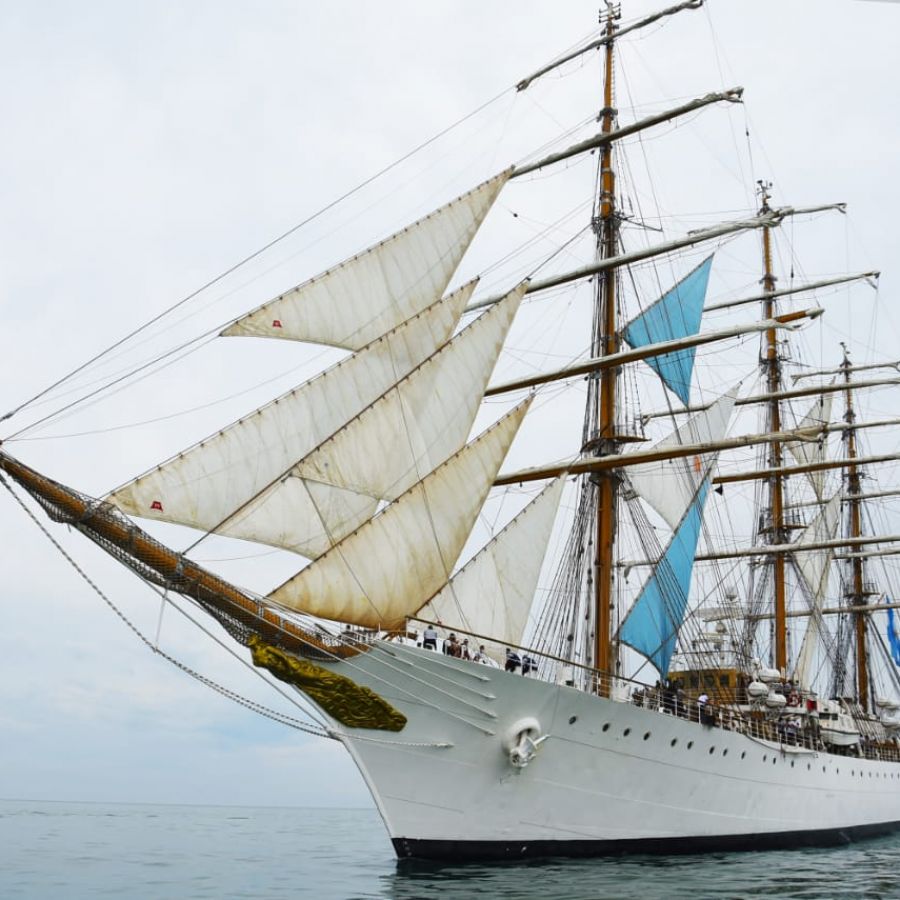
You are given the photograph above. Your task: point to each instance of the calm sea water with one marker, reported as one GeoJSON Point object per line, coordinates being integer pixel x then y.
{"type": "Point", "coordinates": [72, 850]}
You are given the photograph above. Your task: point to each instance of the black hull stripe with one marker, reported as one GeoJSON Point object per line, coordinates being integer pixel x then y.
{"type": "Point", "coordinates": [470, 851]}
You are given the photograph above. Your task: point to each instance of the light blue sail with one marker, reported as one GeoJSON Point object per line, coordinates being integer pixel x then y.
{"type": "Point", "coordinates": [675, 315]}
{"type": "Point", "coordinates": [653, 622]}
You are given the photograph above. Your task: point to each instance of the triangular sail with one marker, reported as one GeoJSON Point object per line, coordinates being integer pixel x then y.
{"type": "Point", "coordinates": [206, 483]}
{"type": "Point", "coordinates": [392, 564]}
{"type": "Point", "coordinates": [493, 593]}
{"type": "Point", "coordinates": [814, 568]}
{"type": "Point", "coordinates": [410, 430]}
{"type": "Point", "coordinates": [651, 626]}
{"type": "Point", "coordinates": [373, 292]}
{"type": "Point", "coordinates": [810, 452]}
{"type": "Point", "coordinates": [670, 485]}
{"type": "Point", "coordinates": [675, 315]}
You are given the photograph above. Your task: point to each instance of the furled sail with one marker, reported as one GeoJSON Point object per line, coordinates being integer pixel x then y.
{"type": "Point", "coordinates": [206, 483]}
{"type": "Point", "coordinates": [373, 292]}
{"type": "Point", "coordinates": [493, 592]}
{"type": "Point", "coordinates": [652, 624]}
{"type": "Point", "coordinates": [807, 452]}
{"type": "Point", "coordinates": [670, 485]}
{"type": "Point", "coordinates": [411, 429]}
{"type": "Point", "coordinates": [675, 315]}
{"type": "Point", "coordinates": [814, 568]}
{"type": "Point", "coordinates": [394, 563]}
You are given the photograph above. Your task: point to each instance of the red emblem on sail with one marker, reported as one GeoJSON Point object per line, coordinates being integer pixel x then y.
{"type": "Point", "coordinates": [156, 505]}
{"type": "Point", "coordinates": [276, 323]}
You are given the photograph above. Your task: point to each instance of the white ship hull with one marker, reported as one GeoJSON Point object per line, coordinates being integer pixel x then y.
{"type": "Point", "coordinates": [610, 777]}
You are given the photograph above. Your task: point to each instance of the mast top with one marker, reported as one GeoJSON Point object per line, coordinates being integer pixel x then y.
{"type": "Point", "coordinates": [612, 13]}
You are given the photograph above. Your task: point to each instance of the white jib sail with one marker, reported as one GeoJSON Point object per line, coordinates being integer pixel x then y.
{"type": "Point", "coordinates": [814, 567]}
{"type": "Point", "coordinates": [393, 563]}
{"type": "Point", "coordinates": [405, 434]}
{"type": "Point", "coordinates": [493, 592]}
{"type": "Point", "coordinates": [807, 452]}
{"type": "Point", "coordinates": [670, 485]}
{"type": "Point", "coordinates": [368, 294]}
{"type": "Point", "coordinates": [206, 483]}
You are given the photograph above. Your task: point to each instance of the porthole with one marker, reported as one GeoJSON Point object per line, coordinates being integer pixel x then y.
{"type": "Point", "coordinates": [626, 732]}
{"type": "Point", "coordinates": [712, 750]}
{"type": "Point", "coordinates": [808, 767]}
{"type": "Point", "coordinates": [823, 768]}
{"type": "Point", "coordinates": [774, 760]}
{"type": "Point", "coordinates": [647, 736]}
{"type": "Point", "coordinates": [673, 742]}
{"type": "Point", "coordinates": [852, 772]}
{"type": "Point", "coordinates": [725, 752]}
{"type": "Point", "coordinates": [765, 758]}
{"type": "Point", "coordinates": [743, 754]}
{"type": "Point", "coordinates": [606, 727]}
{"type": "Point", "coordinates": [690, 744]}
{"type": "Point", "coordinates": [792, 764]}
{"type": "Point", "coordinates": [573, 720]}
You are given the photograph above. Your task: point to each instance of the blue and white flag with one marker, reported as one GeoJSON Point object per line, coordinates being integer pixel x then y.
{"type": "Point", "coordinates": [893, 636]}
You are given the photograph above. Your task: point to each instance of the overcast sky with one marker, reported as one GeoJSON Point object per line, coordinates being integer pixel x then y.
{"type": "Point", "coordinates": [149, 146]}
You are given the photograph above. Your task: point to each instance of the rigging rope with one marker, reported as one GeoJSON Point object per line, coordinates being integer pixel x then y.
{"type": "Point", "coordinates": [247, 259]}
{"type": "Point", "coordinates": [252, 705]}
{"type": "Point", "coordinates": [242, 263]}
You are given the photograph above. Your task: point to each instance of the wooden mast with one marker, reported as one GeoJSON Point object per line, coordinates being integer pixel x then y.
{"type": "Point", "coordinates": [857, 596]}
{"type": "Point", "coordinates": [607, 340]}
{"type": "Point", "coordinates": [772, 366]}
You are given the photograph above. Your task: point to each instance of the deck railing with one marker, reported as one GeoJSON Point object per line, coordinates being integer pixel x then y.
{"type": "Point", "coordinates": [758, 724]}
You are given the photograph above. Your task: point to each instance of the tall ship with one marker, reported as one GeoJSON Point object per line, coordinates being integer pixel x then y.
{"type": "Point", "coordinates": [678, 636]}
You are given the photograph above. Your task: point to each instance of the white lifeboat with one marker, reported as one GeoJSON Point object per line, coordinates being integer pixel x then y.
{"type": "Point", "coordinates": [836, 726]}
{"type": "Point", "coordinates": [756, 690]}
{"type": "Point", "coordinates": [775, 701]}
{"type": "Point", "coordinates": [891, 725]}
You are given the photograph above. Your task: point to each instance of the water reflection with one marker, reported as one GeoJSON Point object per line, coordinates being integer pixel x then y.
{"type": "Point", "coordinates": [865, 870]}
{"type": "Point", "coordinates": [146, 852]}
